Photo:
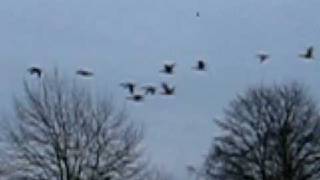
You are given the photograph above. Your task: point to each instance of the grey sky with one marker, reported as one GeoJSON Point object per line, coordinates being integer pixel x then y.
{"type": "Point", "coordinates": [129, 39]}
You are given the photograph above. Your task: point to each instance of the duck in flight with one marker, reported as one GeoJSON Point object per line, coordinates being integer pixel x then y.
{"type": "Point", "coordinates": [35, 70]}
{"type": "Point", "coordinates": [263, 57]}
{"type": "Point", "coordinates": [129, 85]}
{"type": "Point", "coordinates": [149, 89]}
{"type": "Point", "coordinates": [309, 54]}
{"type": "Point", "coordinates": [201, 66]}
{"type": "Point", "coordinates": [168, 68]}
{"type": "Point", "coordinates": [85, 73]}
{"type": "Point", "coordinates": [167, 90]}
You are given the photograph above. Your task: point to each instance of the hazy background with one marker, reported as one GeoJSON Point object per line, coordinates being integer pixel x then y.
{"type": "Point", "coordinates": [129, 39]}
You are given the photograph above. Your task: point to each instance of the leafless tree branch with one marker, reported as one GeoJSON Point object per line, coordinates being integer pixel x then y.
{"type": "Point", "coordinates": [63, 133]}
{"type": "Point", "coordinates": [270, 133]}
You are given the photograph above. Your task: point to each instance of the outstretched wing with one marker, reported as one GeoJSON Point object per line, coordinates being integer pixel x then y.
{"type": "Point", "coordinates": [84, 73]}
{"type": "Point", "coordinates": [165, 87]}
{"type": "Point", "coordinates": [35, 70]}
{"type": "Point", "coordinates": [201, 64]}
{"type": "Point", "coordinates": [169, 66]}
{"type": "Point", "coordinates": [309, 52]}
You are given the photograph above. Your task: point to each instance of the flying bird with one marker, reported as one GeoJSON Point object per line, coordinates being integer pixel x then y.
{"type": "Point", "coordinates": [201, 66]}
{"type": "Point", "coordinates": [309, 54]}
{"type": "Point", "coordinates": [136, 97]}
{"type": "Point", "coordinates": [129, 85]}
{"type": "Point", "coordinates": [198, 14]}
{"type": "Point", "coordinates": [168, 68]}
{"type": "Point", "coordinates": [167, 90]}
{"type": "Point", "coordinates": [85, 73]}
{"type": "Point", "coordinates": [35, 70]}
{"type": "Point", "coordinates": [149, 89]}
{"type": "Point", "coordinates": [263, 57]}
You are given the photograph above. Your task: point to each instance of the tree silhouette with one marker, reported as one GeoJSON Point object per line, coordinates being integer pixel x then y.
{"type": "Point", "coordinates": [63, 133]}
{"type": "Point", "coordinates": [269, 133]}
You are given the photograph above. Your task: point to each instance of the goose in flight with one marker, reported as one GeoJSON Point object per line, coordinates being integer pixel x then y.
{"type": "Point", "coordinates": [309, 54]}
{"type": "Point", "coordinates": [129, 85]}
{"type": "Point", "coordinates": [168, 68]}
{"type": "Point", "coordinates": [85, 73]}
{"type": "Point", "coordinates": [167, 90]}
{"type": "Point", "coordinates": [201, 66]}
{"type": "Point", "coordinates": [35, 70]}
{"type": "Point", "coordinates": [149, 89]}
{"type": "Point", "coordinates": [136, 97]}
{"type": "Point", "coordinates": [263, 57]}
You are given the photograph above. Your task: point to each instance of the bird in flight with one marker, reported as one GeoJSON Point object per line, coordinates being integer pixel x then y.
{"type": "Point", "coordinates": [149, 89]}
{"type": "Point", "coordinates": [35, 70]}
{"type": "Point", "coordinates": [129, 85]}
{"type": "Point", "coordinates": [168, 68]}
{"type": "Point", "coordinates": [201, 66]}
{"type": "Point", "coordinates": [167, 90]}
{"type": "Point", "coordinates": [309, 54]}
{"type": "Point", "coordinates": [136, 98]}
{"type": "Point", "coordinates": [263, 57]}
{"type": "Point", "coordinates": [198, 14]}
{"type": "Point", "coordinates": [85, 73]}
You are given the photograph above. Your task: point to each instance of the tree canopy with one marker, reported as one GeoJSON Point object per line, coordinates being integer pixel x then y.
{"type": "Point", "coordinates": [269, 133]}
{"type": "Point", "coordinates": [63, 132]}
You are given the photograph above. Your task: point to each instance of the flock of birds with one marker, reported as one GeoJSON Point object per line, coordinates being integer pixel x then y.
{"type": "Point", "coordinates": [168, 68]}
{"type": "Point", "coordinates": [38, 72]}
{"type": "Point", "coordinates": [168, 90]}
{"type": "Point", "coordinates": [308, 55]}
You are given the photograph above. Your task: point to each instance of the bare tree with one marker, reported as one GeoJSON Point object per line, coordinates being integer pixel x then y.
{"type": "Point", "coordinates": [270, 133]}
{"type": "Point", "coordinates": [63, 133]}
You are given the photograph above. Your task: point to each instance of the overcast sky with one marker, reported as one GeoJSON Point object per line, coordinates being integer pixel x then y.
{"type": "Point", "coordinates": [129, 39]}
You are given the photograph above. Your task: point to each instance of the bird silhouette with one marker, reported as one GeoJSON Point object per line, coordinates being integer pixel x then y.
{"type": "Point", "coordinates": [35, 70]}
{"type": "Point", "coordinates": [168, 68]}
{"type": "Point", "coordinates": [263, 57]}
{"type": "Point", "coordinates": [129, 85]}
{"type": "Point", "coordinates": [136, 97]}
{"type": "Point", "coordinates": [198, 14]}
{"type": "Point", "coordinates": [167, 90]}
{"type": "Point", "coordinates": [201, 66]}
{"type": "Point", "coordinates": [309, 54]}
{"type": "Point", "coordinates": [149, 89]}
{"type": "Point", "coordinates": [85, 73]}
